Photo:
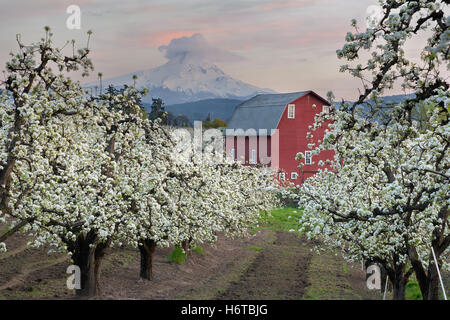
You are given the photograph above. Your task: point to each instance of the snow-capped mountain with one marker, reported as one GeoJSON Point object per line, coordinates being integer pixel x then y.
{"type": "Point", "coordinates": [186, 78]}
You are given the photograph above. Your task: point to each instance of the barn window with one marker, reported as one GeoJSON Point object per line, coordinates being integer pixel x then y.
{"type": "Point", "coordinates": [233, 154]}
{"type": "Point", "coordinates": [308, 157]}
{"type": "Point", "coordinates": [326, 109]}
{"type": "Point", "coordinates": [282, 176]}
{"type": "Point", "coordinates": [291, 111]}
{"type": "Point", "coordinates": [253, 157]}
{"type": "Point", "coordinates": [294, 175]}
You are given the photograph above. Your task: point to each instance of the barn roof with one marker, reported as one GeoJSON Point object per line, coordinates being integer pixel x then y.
{"type": "Point", "coordinates": [262, 111]}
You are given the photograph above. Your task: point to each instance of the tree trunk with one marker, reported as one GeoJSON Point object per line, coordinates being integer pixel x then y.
{"type": "Point", "coordinates": [100, 251]}
{"type": "Point", "coordinates": [398, 288]}
{"type": "Point", "coordinates": [421, 276]}
{"type": "Point", "coordinates": [88, 254]}
{"type": "Point", "coordinates": [186, 246]}
{"type": "Point", "coordinates": [84, 257]}
{"type": "Point", "coordinates": [147, 248]}
{"type": "Point", "coordinates": [428, 279]}
{"type": "Point", "coordinates": [383, 277]}
{"type": "Point", "coordinates": [432, 292]}
{"type": "Point", "coordinates": [399, 279]}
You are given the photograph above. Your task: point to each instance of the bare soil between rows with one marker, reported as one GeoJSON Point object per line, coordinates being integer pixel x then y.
{"type": "Point", "coordinates": [278, 272]}
{"type": "Point", "coordinates": [268, 265]}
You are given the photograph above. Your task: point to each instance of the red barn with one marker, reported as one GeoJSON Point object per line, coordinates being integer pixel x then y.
{"type": "Point", "coordinates": [270, 129]}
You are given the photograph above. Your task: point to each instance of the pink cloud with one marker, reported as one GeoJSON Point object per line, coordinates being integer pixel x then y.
{"type": "Point", "coordinates": [164, 37]}
{"type": "Point", "coordinates": [198, 48]}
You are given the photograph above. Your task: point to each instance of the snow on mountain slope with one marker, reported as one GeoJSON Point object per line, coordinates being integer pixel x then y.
{"type": "Point", "coordinates": [187, 76]}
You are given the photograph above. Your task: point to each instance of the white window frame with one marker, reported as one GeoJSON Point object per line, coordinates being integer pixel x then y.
{"type": "Point", "coordinates": [306, 157]}
{"type": "Point", "coordinates": [289, 111]}
{"type": "Point", "coordinates": [294, 175]}
{"type": "Point", "coordinates": [325, 108]}
{"type": "Point", "coordinates": [233, 154]}
{"type": "Point", "coordinates": [253, 157]}
{"type": "Point", "coordinates": [282, 176]}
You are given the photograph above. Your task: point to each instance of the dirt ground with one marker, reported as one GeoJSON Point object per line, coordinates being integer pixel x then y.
{"type": "Point", "coordinates": [269, 265]}
{"type": "Point", "coordinates": [278, 272]}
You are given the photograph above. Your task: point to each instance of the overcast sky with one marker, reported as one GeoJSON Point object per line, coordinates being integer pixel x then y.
{"type": "Point", "coordinates": [285, 45]}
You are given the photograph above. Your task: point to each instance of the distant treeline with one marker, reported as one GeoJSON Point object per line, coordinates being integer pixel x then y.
{"type": "Point", "coordinates": [158, 111]}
